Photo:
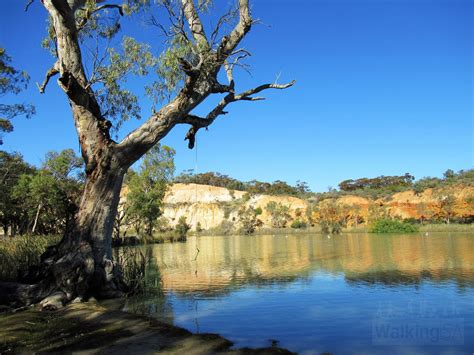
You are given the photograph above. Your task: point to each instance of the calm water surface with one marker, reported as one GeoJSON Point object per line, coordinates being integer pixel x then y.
{"type": "Point", "coordinates": [355, 293]}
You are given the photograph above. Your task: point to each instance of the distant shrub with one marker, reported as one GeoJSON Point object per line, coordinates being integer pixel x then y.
{"type": "Point", "coordinates": [182, 229]}
{"type": "Point", "coordinates": [392, 226]}
{"type": "Point", "coordinates": [410, 220]}
{"type": "Point", "coordinates": [225, 228]}
{"type": "Point", "coordinates": [198, 227]}
{"type": "Point", "coordinates": [163, 224]}
{"type": "Point", "coordinates": [249, 219]}
{"type": "Point", "coordinates": [279, 214]}
{"type": "Point", "coordinates": [332, 217]}
{"type": "Point", "coordinates": [298, 224]}
{"type": "Point", "coordinates": [246, 197]}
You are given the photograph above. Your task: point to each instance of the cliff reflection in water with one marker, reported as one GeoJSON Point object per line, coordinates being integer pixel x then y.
{"type": "Point", "coordinates": [225, 263]}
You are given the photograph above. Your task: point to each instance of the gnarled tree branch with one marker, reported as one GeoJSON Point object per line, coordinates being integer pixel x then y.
{"type": "Point", "coordinates": [200, 122]}
{"type": "Point", "coordinates": [49, 74]}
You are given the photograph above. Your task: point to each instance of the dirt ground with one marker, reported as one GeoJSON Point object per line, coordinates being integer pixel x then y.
{"type": "Point", "coordinates": [90, 328]}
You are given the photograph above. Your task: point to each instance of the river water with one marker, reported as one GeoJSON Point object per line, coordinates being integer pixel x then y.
{"type": "Point", "coordinates": [310, 293]}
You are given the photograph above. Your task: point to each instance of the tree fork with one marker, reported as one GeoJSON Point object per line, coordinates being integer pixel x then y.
{"type": "Point", "coordinates": [81, 264]}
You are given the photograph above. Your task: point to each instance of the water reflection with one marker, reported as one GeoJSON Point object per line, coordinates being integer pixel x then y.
{"type": "Point", "coordinates": [310, 292]}
{"type": "Point", "coordinates": [227, 262]}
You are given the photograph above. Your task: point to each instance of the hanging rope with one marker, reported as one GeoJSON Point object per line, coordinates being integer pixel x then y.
{"type": "Point", "coordinates": [196, 197]}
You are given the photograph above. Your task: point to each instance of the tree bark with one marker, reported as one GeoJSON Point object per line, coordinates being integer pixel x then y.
{"type": "Point", "coordinates": [81, 264]}
{"type": "Point", "coordinates": [33, 229]}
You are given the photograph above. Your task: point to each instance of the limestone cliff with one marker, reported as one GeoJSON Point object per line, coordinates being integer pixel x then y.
{"type": "Point", "coordinates": [210, 205]}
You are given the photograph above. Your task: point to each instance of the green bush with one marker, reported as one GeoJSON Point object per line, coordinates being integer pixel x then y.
{"type": "Point", "coordinates": [182, 229]}
{"type": "Point", "coordinates": [249, 219]}
{"type": "Point", "coordinates": [392, 226]}
{"type": "Point", "coordinates": [299, 224]}
{"type": "Point", "coordinates": [199, 227]}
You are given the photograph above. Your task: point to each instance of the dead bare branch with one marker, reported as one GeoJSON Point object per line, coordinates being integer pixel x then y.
{"type": "Point", "coordinates": [28, 4]}
{"type": "Point", "coordinates": [49, 74]}
{"type": "Point", "coordinates": [199, 122]}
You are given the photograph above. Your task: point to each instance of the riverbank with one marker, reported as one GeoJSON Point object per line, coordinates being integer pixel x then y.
{"type": "Point", "coordinates": [169, 237]}
{"type": "Point", "coordinates": [91, 327]}
{"type": "Point", "coordinates": [447, 228]}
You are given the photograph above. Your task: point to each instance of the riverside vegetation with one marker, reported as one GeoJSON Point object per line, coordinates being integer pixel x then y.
{"type": "Point", "coordinates": [43, 201]}
{"type": "Point", "coordinates": [38, 204]}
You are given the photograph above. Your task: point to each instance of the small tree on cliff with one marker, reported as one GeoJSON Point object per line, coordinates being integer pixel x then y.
{"type": "Point", "coordinates": [249, 220]}
{"type": "Point", "coordinates": [279, 214]}
{"type": "Point", "coordinates": [186, 74]}
{"type": "Point", "coordinates": [446, 202]}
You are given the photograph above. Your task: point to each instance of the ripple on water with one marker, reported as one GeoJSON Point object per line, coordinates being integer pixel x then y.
{"type": "Point", "coordinates": [313, 294]}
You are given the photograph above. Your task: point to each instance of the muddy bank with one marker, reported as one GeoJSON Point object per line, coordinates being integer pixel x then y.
{"type": "Point", "coordinates": [91, 328]}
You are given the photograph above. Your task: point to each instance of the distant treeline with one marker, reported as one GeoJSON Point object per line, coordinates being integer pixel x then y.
{"type": "Point", "coordinates": [385, 186]}
{"type": "Point", "coordinates": [277, 187]}
{"type": "Point", "coordinates": [381, 186]}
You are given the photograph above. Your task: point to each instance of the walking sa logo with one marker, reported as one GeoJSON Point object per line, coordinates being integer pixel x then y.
{"type": "Point", "coordinates": [417, 324]}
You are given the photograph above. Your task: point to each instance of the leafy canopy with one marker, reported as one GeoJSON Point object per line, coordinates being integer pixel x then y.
{"type": "Point", "coordinates": [112, 59]}
{"type": "Point", "coordinates": [12, 81]}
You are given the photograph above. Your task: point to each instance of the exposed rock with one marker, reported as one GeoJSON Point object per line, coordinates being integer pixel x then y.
{"type": "Point", "coordinates": [77, 300]}
{"type": "Point", "coordinates": [211, 205]}
{"type": "Point", "coordinates": [53, 302]}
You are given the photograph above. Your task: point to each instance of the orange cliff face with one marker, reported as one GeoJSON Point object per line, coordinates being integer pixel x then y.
{"type": "Point", "coordinates": [211, 205]}
{"type": "Point", "coordinates": [427, 204]}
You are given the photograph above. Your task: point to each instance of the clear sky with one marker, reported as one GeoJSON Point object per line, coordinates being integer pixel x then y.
{"type": "Point", "coordinates": [383, 87]}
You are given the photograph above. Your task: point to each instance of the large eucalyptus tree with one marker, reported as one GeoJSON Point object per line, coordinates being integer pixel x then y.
{"type": "Point", "coordinates": [185, 74]}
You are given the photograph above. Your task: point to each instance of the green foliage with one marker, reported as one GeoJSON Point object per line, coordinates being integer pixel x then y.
{"type": "Point", "coordinates": [376, 183]}
{"type": "Point", "coordinates": [12, 81]}
{"type": "Point", "coordinates": [279, 214]}
{"type": "Point", "coordinates": [199, 227]}
{"type": "Point", "coordinates": [249, 219]}
{"type": "Point", "coordinates": [210, 178]}
{"type": "Point", "coordinates": [376, 211]}
{"type": "Point", "coordinates": [386, 225]}
{"type": "Point", "coordinates": [332, 217]}
{"type": "Point", "coordinates": [252, 187]}
{"type": "Point", "coordinates": [224, 228]}
{"type": "Point", "coordinates": [168, 68]}
{"type": "Point", "coordinates": [63, 165]}
{"type": "Point", "coordinates": [182, 228]}
{"type": "Point", "coordinates": [12, 167]}
{"type": "Point", "coordinates": [163, 224]}
{"type": "Point", "coordinates": [426, 183]}
{"type": "Point", "coordinates": [17, 255]}
{"type": "Point", "coordinates": [446, 202]}
{"type": "Point", "coordinates": [148, 186]}
{"type": "Point", "coordinates": [449, 174]}
{"type": "Point", "coordinates": [42, 201]}
{"type": "Point", "coordinates": [386, 186]}
{"type": "Point", "coordinates": [134, 58]}
{"type": "Point", "coordinates": [299, 224]}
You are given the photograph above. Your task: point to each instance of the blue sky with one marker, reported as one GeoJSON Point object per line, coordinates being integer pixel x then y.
{"type": "Point", "coordinates": [383, 87]}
